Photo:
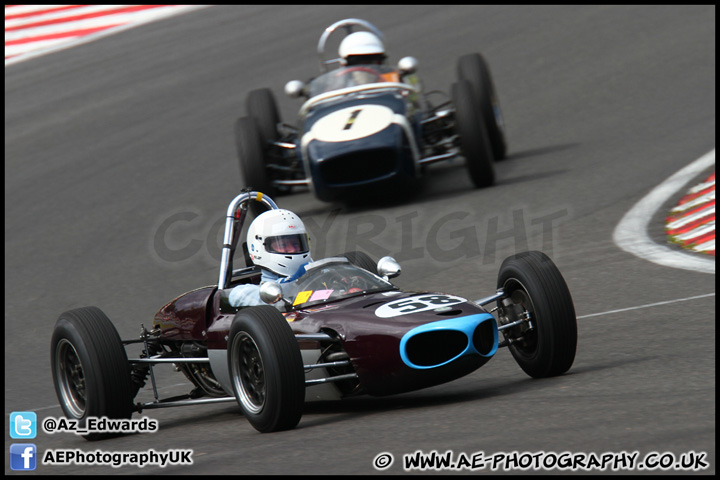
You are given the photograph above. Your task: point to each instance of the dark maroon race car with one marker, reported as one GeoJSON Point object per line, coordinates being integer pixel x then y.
{"type": "Point", "coordinates": [341, 329]}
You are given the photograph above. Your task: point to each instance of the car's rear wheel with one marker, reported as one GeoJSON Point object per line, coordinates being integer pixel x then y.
{"type": "Point", "coordinates": [90, 368]}
{"type": "Point", "coordinates": [362, 260]}
{"type": "Point", "coordinates": [474, 141]}
{"type": "Point", "coordinates": [535, 289]}
{"type": "Point", "coordinates": [251, 156]}
{"type": "Point", "coordinates": [474, 69]}
{"type": "Point", "coordinates": [262, 108]}
{"type": "Point", "coordinates": [266, 369]}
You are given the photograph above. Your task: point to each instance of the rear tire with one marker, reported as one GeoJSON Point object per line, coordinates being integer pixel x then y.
{"type": "Point", "coordinates": [532, 281]}
{"type": "Point", "coordinates": [90, 369]}
{"type": "Point", "coordinates": [475, 69]}
{"type": "Point", "coordinates": [474, 141]}
{"type": "Point", "coordinates": [266, 369]}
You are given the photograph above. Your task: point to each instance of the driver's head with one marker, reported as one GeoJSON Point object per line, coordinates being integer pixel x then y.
{"type": "Point", "coordinates": [277, 240]}
{"type": "Point", "coordinates": [362, 48]}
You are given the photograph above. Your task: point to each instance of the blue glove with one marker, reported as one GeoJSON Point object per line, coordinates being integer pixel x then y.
{"type": "Point", "coordinates": [247, 295]}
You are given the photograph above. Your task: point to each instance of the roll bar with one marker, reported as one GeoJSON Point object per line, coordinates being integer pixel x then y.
{"type": "Point", "coordinates": [348, 23]}
{"type": "Point", "coordinates": [236, 212]}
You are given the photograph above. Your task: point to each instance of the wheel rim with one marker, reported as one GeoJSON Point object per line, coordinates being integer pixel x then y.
{"type": "Point", "coordinates": [519, 296]}
{"type": "Point", "coordinates": [248, 373]}
{"type": "Point", "coordinates": [70, 378]}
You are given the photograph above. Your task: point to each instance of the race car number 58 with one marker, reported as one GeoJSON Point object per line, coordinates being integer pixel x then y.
{"type": "Point", "coordinates": [418, 303]}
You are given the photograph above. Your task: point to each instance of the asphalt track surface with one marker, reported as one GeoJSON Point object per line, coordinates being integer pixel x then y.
{"type": "Point", "coordinates": [119, 153]}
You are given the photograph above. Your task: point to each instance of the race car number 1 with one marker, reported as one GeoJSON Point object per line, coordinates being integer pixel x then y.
{"type": "Point", "coordinates": [418, 303]}
{"type": "Point", "coordinates": [352, 123]}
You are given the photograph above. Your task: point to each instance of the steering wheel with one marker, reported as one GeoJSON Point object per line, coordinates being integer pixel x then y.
{"type": "Point", "coordinates": [357, 284]}
{"type": "Point", "coordinates": [339, 283]}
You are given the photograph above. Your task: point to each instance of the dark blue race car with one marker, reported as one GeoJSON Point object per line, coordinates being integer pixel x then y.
{"type": "Point", "coordinates": [365, 126]}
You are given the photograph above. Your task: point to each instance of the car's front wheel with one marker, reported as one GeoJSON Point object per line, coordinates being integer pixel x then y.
{"type": "Point", "coordinates": [362, 260]}
{"type": "Point", "coordinates": [474, 141]}
{"type": "Point", "coordinates": [90, 368]}
{"type": "Point", "coordinates": [266, 369]}
{"type": "Point", "coordinates": [475, 69]}
{"type": "Point", "coordinates": [544, 344]}
{"type": "Point", "coordinates": [251, 156]}
{"type": "Point", "coordinates": [262, 108]}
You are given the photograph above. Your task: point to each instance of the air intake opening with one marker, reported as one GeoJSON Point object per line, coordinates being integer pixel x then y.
{"type": "Point", "coordinates": [358, 166]}
{"type": "Point", "coordinates": [484, 337]}
{"type": "Point", "coordinates": [428, 349]}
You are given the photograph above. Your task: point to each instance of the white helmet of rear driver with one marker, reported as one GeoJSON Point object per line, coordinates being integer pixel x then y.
{"type": "Point", "coordinates": [277, 240]}
{"type": "Point", "coordinates": [361, 43]}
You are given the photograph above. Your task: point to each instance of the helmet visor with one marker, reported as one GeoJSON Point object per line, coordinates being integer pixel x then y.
{"type": "Point", "coordinates": [289, 244]}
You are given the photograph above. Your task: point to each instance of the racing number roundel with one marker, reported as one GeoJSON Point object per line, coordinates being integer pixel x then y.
{"type": "Point", "coordinates": [418, 303]}
{"type": "Point", "coordinates": [352, 123]}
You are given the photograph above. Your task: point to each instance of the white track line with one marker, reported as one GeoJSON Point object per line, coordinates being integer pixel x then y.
{"type": "Point", "coordinates": [647, 305]}
{"type": "Point", "coordinates": [631, 233]}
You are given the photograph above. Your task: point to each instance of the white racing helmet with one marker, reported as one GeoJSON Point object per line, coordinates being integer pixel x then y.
{"type": "Point", "coordinates": [361, 43]}
{"type": "Point", "coordinates": [277, 240]}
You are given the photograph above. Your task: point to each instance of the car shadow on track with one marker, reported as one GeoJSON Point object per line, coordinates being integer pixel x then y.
{"type": "Point", "coordinates": [540, 151]}
{"type": "Point", "coordinates": [443, 181]}
{"type": "Point", "coordinates": [319, 414]}
{"type": "Point", "coordinates": [531, 177]}
{"type": "Point", "coordinates": [440, 182]}
{"type": "Point", "coordinates": [323, 413]}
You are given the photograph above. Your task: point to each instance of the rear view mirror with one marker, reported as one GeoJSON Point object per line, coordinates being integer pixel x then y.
{"type": "Point", "coordinates": [270, 292]}
{"type": "Point", "coordinates": [388, 268]}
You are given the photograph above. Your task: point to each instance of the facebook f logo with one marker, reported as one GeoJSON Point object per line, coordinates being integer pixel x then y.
{"type": "Point", "coordinates": [23, 456]}
{"type": "Point", "coordinates": [23, 425]}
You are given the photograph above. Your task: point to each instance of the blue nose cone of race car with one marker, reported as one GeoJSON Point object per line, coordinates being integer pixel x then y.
{"type": "Point", "coordinates": [436, 344]}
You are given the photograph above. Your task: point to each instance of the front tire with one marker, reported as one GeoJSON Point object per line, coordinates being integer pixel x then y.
{"type": "Point", "coordinates": [90, 368]}
{"type": "Point", "coordinates": [266, 369]}
{"type": "Point", "coordinates": [262, 108]}
{"type": "Point", "coordinates": [533, 284]}
{"type": "Point", "coordinates": [474, 141]}
{"type": "Point", "coordinates": [362, 260]}
{"type": "Point", "coordinates": [475, 69]}
{"type": "Point", "coordinates": [251, 156]}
